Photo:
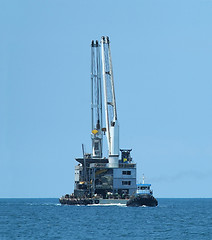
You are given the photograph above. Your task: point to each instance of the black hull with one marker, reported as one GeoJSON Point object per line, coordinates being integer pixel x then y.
{"type": "Point", "coordinates": [142, 200]}
{"type": "Point", "coordinates": [78, 201]}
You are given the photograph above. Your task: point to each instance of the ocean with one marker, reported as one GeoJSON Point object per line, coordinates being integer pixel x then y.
{"type": "Point", "coordinates": [47, 219]}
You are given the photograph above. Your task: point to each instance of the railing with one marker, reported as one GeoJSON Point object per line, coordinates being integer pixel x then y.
{"type": "Point", "coordinates": [144, 192]}
{"type": "Point", "coordinates": [103, 186]}
{"type": "Point", "coordinates": [98, 165]}
{"type": "Point", "coordinates": [127, 165]}
{"type": "Point", "coordinates": [105, 165]}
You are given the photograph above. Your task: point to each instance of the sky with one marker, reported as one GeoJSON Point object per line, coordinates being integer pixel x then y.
{"type": "Point", "coordinates": [162, 55]}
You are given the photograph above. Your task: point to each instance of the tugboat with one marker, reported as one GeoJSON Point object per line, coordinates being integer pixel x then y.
{"type": "Point", "coordinates": [143, 196]}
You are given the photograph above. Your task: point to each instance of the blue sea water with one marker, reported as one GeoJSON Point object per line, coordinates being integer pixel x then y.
{"type": "Point", "coordinates": [47, 219]}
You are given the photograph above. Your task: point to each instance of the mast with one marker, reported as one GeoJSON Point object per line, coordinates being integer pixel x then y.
{"type": "Point", "coordinates": [96, 101]}
{"type": "Point", "coordinates": [112, 127]}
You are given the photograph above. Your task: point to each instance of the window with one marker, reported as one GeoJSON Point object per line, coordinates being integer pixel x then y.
{"type": "Point", "coordinates": [126, 172]}
{"type": "Point", "coordinates": [126, 182]}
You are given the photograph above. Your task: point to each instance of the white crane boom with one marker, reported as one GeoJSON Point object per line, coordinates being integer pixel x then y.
{"type": "Point", "coordinates": [96, 100]}
{"type": "Point", "coordinates": [112, 127]}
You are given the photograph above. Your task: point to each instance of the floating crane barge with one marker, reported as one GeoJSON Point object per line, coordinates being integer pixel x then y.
{"type": "Point", "coordinates": [98, 179]}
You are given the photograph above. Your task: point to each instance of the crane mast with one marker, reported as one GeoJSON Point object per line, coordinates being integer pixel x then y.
{"type": "Point", "coordinates": [112, 127]}
{"type": "Point", "coordinates": [96, 101]}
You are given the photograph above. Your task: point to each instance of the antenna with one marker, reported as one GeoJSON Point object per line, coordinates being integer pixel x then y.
{"type": "Point", "coordinates": [143, 179]}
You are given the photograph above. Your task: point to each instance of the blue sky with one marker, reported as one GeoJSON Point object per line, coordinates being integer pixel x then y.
{"type": "Point", "coordinates": [162, 55]}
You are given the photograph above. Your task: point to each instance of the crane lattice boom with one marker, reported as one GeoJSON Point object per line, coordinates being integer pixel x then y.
{"type": "Point", "coordinates": [112, 127]}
